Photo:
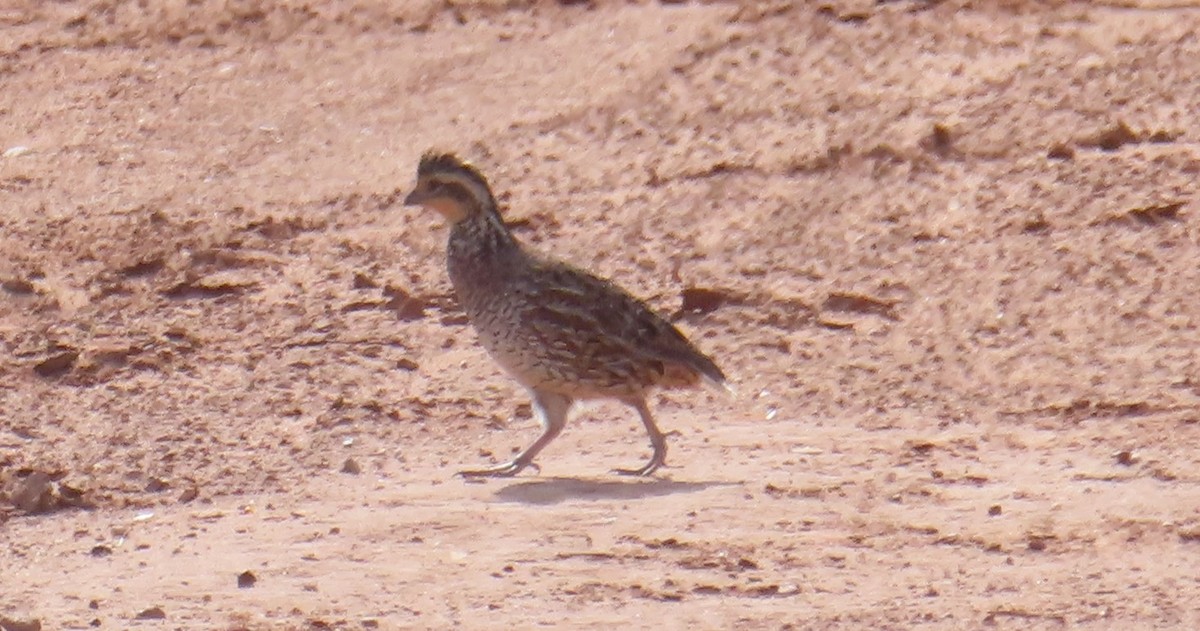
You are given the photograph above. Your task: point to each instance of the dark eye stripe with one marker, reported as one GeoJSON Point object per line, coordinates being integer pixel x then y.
{"type": "Point", "coordinates": [452, 188]}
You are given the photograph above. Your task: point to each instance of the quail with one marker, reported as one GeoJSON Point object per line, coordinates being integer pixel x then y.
{"type": "Point", "coordinates": [564, 334]}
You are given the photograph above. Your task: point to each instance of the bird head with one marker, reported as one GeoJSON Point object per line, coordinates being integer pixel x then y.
{"type": "Point", "coordinates": [451, 186]}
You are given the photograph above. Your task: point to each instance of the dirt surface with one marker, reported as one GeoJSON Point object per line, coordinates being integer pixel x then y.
{"type": "Point", "coordinates": [947, 252]}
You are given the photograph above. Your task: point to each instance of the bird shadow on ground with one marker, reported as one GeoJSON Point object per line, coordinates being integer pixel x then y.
{"type": "Point", "coordinates": [555, 490]}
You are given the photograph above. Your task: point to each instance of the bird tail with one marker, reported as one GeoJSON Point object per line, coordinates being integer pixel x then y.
{"type": "Point", "coordinates": [712, 375]}
{"type": "Point", "coordinates": [722, 387]}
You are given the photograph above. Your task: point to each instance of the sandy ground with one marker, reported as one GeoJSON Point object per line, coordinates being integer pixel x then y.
{"type": "Point", "coordinates": [947, 251]}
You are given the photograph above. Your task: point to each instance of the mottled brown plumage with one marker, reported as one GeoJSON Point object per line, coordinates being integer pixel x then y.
{"type": "Point", "coordinates": [563, 333]}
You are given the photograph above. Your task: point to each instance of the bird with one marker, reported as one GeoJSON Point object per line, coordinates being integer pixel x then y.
{"type": "Point", "coordinates": [563, 333]}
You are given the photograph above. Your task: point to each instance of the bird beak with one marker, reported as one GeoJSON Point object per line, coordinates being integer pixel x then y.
{"type": "Point", "coordinates": [415, 198]}
{"type": "Point", "coordinates": [430, 197]}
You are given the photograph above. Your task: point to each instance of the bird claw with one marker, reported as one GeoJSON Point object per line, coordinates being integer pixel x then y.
{"type": "Point", "coordinates": [641, 473]}
{"type": "Point", "coordinates": [506, 470]}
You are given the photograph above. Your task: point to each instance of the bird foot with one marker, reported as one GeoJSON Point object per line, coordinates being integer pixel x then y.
{"type": "Point", "coordinates": [650, 467]}
{"type": "Point", "coordinates": [506, 470]}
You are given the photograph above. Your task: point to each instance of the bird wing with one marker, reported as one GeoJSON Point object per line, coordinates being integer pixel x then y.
{"type": "Point", "coordinates": [603, 315]}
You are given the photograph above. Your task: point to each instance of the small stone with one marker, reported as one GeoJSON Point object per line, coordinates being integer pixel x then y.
{"type": "Point", "coordinates": [351, 466]}
{"type": "Point", "coordinates": [69, 496]}
{"type": "Point", "coordinates": [1115, 137]}
{"type": "Point", "coordinates": [100, 551]}
{"type": "Point", "coordinates": [33, 494]}
{"type": "Point", "coordinates": [9, 624]}
{"type": "Point", "coordinates": [1125, 458]}
{"type": "Point", "coordinates": [995, 510]}
{"type": "Point", "coordinates": [153, 613]}
{"type": "Point", "coordinates": [1060, 152]}
{"type": "Point", "coordinates": [17, 286]}
{"type": "Point", "coordinates": [16, 151]}
{"type": "Point", "coordinates": [189, 494]}
{"type": "Point", "coordinates": [940, 140]}
{"type": "Point", "coordinates": [56, 365]}
{"type": "Point", "coordinates": [246, 580]}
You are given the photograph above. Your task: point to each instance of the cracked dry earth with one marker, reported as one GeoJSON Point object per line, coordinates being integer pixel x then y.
{"type": "Point", "coordinates": [947, 251]}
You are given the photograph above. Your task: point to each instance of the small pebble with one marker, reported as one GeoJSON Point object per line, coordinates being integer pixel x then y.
{"type": "Point", "coordinates": [153, 613]}
{"type": "Point", "coordinates": [17, 151]}
{"type": "Point", "coordinates": [33, 494]}
{"type": "Point", "coordinates": [9, 624]}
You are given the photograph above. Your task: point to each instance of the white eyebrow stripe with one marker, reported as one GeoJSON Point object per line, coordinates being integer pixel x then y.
{"type": "Point", "coordinates": [477, 189]}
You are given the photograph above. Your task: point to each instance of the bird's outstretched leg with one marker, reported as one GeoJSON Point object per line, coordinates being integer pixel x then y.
{"type": "Point", "coordinates": [551, 409]}
{"type": "Point", "coordinates": [657, 440]}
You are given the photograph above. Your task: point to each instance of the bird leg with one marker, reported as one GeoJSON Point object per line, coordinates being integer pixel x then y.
{"type": "Point", "coordinates": [552, 411]}
{"type": "Point", "coordinates": [657, 440]}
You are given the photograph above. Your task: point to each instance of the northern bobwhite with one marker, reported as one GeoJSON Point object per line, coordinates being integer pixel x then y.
{"type": "Point", "coordinates": [561, 332]}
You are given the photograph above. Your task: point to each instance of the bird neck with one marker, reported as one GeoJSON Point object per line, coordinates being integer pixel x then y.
{"type": "Point", "coordinates": [480, 249]}
{"type": "Point", "coordinates": [486, 230]}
